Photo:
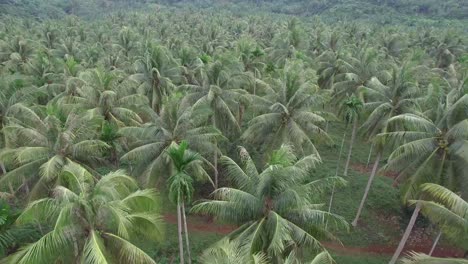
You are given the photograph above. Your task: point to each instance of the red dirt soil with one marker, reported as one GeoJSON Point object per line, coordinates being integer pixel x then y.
{"type": "Point", "coordinates": [204, 224]}
{"type": "Point", "coordinates": [368, 169]}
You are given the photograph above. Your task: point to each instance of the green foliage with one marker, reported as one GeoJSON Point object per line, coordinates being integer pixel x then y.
{"type": "Point", "coordinates": [164, 89]}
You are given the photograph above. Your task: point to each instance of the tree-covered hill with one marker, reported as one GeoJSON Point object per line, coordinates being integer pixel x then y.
{"type": "Point", "coordinates": [386, 10]}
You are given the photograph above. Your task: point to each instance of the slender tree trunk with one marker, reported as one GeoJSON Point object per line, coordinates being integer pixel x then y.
{"type": "Point", "coordinates": [406, 235]}
{"type": "Point", "coordinates": [179, 233]}
{"type": "Point", "coordinates": [370, 154]}
{"type": "Point", "coordinates": [2, 166]}
{"type": "Point", "coordinates": [366, 192]}
{"type": "Point", "coordinates": [241, 114]}
{"type": "Point", "coordinates": [326, 127]}
{"type": "Point", "coordinates": [154, 100]}
{"type": "Point", "coordinates": [336, 171]}
{"type": "Point", "coordinates": [436, 241]}
{"type": "Point", "coordinates": [215, 158]}
{"type": "Point", "coordinates": [351, 144]}
{"type": "Point", "coordinates": [187, 242]}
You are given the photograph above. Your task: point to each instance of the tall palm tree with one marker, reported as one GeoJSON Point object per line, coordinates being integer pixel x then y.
{"type": "Point", "coordinates": [218, 92]}
{"type": "Point", "coordinates": [289, 117]}
{"type": "Point", "coordinates": [352, 111]}
{"type": "Point", "coordinates": [274, 208]}
{"type": "Point", "coordinates": [148, 155]}
{"type": "Point", "coordinates": [398, 96]}
{"type": "Point", "coordinates": [38, 147]}
{"type": "Point", "coordinates": [431, 152]}
{"type": "Point", "coordinates": [448, 210]}
{"type": "Point", "coordinates": [181, 188]}
{"type": "Point", "coordinates": [91, 222]}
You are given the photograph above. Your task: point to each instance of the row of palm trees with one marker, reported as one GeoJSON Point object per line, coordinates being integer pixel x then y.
{"type": "Point", "coordinates": [169, 98]}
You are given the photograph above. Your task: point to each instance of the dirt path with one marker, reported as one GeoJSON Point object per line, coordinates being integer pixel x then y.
{"type": "Point", "coordinates": [203, 224]}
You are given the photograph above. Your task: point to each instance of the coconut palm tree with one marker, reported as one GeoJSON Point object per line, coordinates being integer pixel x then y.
{"type": "Point", "coordinates": [274, 208]}
{"type": "Point", "coordinates": [104, 95]}
{"type": "Point", "coordinates": [232, 251]}
{"type": "Point", "coordinates": [431, 152]}
{"type": "Point", "coordinates": [181, 189]}
{"type": "Point", "coordinates": [289, 117]}
{"type": "Point", "coordinates": [91, 221]}
{"type": "Point", "coordinates": [38, 147]}
{"type": "Point", "coordinates": [398, 96]}
{"type": "Point", "coordinates": [219, 93]}
{"type": "Point", "coordinates": [352, 111]}
{"type": "Point", "coordinates": [12, 91]}
{"type": "Point", "coordinates": [448, 210]}
{"type": "Point", "coordinates": [156, 73]}
{"type": "Point", "coordinates": [356, 71]}
{"type": "Point", "coordinates": [148, 155]}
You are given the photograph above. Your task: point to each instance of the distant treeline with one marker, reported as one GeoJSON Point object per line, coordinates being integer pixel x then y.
{"type": "Point", "coordinates": [334, 9]}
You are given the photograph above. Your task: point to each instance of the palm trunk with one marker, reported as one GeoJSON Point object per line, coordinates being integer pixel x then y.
{"type": "Point", "coordinates": [2, 166]}
{"type": "Point", "coordinates": [179, 233]}
{"type": "Point", "coordinates": [336, 170]}
{"type": "Point", "coordinates": [369, 183]}
{"type": "Point", "coordinates": [351, 144]}
{"type": "Point", "coordinates": [436, 241]}
{"type": "Point", "coordinates": [187, 242]}
{"type": "Point", "coordinates": [241, 114]}
{"type": "Point", "coordinates": [215, 158]}
{"type": "Point", "coordinates": [406, 235]}
{"type": "Point", "coordinates": [156, 96]}
{"type": "Point", "coordinates": [370, 155]}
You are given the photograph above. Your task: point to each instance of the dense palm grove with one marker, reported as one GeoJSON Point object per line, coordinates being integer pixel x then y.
{"type": "Point", "coordinates": [224, 115]}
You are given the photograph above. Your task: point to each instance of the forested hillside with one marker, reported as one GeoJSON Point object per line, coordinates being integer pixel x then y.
{"type": "Point", "coordinates": [337, 9]}
{"type": "Point", "coordinates": [230, 132]}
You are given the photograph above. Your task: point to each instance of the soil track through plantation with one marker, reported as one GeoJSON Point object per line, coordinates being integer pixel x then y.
{"type": "Point", "coordinates": [206, 225]}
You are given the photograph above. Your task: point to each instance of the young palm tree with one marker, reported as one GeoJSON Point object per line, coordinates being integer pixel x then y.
{"type": "Point", "coordinates": [398, 96]}
{"type": "Point", "coordinates": [38, 147]}
{"type": "Point", "coordinates": [91, 222]}
{"type": "Point", "coordinates": [274, 208]}
{"type": "Point", "coordinates": [230, 252]}
{"type": "Point", "coordinates": [289, 118]}
{"type": "Point", "coordinates": [148, 155]}
{"type": "Point", "coordinates": [233, 252]}
{"type": "Point", "coordinates": [181, 188]}
{"type": "Point", "coordinates": [431, 152]}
